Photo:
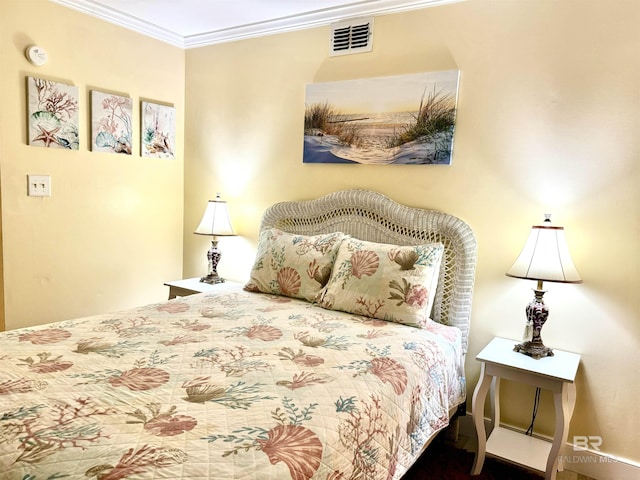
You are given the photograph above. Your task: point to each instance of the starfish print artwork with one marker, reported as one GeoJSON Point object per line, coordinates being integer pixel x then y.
{"type": "Point", "coordinates": [53, 114]}
{"type": "Point", "coordinates": [46, 136]}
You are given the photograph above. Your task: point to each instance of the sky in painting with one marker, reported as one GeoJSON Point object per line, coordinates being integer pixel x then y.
{"type": "Point", "coordinates": [383, 94]}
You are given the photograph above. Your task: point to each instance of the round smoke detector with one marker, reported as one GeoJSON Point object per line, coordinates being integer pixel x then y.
{"type": "Point", "coordinates": [36, 55]}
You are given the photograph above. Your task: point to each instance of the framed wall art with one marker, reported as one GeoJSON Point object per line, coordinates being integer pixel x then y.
{"type": "Point", "coordinates": [111, 123]}
{"type": "Point", "coordinates": [405, 119]}
{"type": "Point", "coordinates": [53, 114]}
{"type": "Point", "coordinates": [158, 130]}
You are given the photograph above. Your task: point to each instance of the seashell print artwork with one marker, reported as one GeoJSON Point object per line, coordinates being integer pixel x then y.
{"type": "Point", "coordinates": [200, 391]}
{"type": "Point", "coordinates": [310, 340]}
{"type": "Point", "coordinates": [289, 281]}
{"type": "Point", "coordinates": [213, 311]}
{"type": "Point", "coordinates": [158, 130]}
{"type": "Point", "coordinates": [297, 446]}
{"type": "Point", "coordinates": [94, 344]}
{"type": "Point", "coordinates": [390, 371]}
{"type": "Point", "coordinates": [50, 366]}
{"type": "Point", "coordinates": [319, 273]}
{"type": "Point", "coordinates": [364, 262]}
{"type": "Point", "coordinates": [405, 258]}
{"type": "Point", "coordinates": [170, 425]}
{"type": "Point", "coordinates": [265, 333]}
{"type": "Point", "coordinates": [42, 337]}
{"type": "Point", "coordinates": [140, 460]}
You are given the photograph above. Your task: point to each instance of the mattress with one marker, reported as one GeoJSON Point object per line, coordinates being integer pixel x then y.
{"type": "Point", "coordinates": [224, 385]}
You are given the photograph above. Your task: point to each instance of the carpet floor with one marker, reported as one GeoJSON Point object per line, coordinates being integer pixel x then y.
{"type": "Point", "coordinates": [443, 461]}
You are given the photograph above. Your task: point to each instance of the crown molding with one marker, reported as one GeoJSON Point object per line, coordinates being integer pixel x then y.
{"type": "Point", "coordinates": [123, 20]}
{"type": "Point", "coordinates": [309, 20]}
{"type": "Point", "coordinates": [240, 32]}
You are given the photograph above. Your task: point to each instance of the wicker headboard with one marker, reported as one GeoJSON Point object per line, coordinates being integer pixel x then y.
{"type": "Point", "coordinates": [374, 217]}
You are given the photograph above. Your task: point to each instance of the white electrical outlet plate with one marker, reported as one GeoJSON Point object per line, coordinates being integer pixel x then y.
{"type": "Point", "coordinates": [39, 185]}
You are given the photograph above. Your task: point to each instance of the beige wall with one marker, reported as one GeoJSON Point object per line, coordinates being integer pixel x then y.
{"type": "Point", "coordinates": [111, 233]}
{"type": "Point", "coordinates": [549, 116]}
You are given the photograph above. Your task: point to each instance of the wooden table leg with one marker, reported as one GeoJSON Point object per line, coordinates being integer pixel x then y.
{"type": "Point", "coordinates": [564, 401]}
{"type": "Point", "coordinates": [477, 406]}
{"type": "Point", "coordinates": [494, 401]}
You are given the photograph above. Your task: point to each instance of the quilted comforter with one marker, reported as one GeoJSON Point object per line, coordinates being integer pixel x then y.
{"type": "Point", "coordinates": [232, 385]}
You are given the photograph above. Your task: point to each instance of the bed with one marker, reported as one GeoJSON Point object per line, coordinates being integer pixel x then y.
{"type": "Point", "coordinates": [306, 371]}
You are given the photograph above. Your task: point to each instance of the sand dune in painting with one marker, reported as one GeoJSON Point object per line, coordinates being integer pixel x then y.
{"type": "Point", "coordinates": [329, 149]}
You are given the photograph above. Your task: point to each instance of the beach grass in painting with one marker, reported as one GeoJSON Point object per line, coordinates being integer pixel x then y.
{"type": "Point", "coordinates": [407, 119]}
{"type": "Point", "coordinates": [158, 130]}
{"type": "Point", "coordinates": [111, 125]}
{"type": "Point", "coordinates": [53, 114]}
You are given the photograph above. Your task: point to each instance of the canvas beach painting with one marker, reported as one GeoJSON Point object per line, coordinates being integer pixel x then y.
{"type": "Point", "coordinates": [405, 119]}
{"type": "Point", "coordinates": [111, 124]}
{"type": "Point", "coordinates": [158, 130]}
{"type": "Point", "coordinates": [53, 114]}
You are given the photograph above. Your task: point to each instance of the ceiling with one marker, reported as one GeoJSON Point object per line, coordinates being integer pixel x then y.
{"type": "Point", "coordinates": [196, 23]}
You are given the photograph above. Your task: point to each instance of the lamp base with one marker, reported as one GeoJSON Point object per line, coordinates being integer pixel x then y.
{"type": "Point", "coordinates": [213, 257]}
{"type": "Point", "coordinates": [212, 279]}
{"type": "Point", "coordinates": [537, 313]}
{"type": "Point", "coordinates": [533, 349]}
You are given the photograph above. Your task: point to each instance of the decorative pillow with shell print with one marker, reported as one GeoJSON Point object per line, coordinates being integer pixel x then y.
{"type": "Point", "coordinates": [296, 266]}
{"type": "Point", "coordinates": [388, 282]}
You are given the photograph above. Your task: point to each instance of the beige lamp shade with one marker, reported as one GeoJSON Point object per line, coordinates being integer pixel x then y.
{"type": "Point", "coordinates": [545, 256]}
{"type": "Point", "coordinates": [215, 220]}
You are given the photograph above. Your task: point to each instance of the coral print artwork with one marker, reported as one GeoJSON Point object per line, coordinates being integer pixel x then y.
{"type": "Point", "coordinates": [53, 114]}
{"type": "Point", "coordinates": [111, 126]}
{"type": "Point", "coordinates": [158, 130]}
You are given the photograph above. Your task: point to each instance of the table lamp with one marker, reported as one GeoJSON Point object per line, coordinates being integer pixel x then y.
{"type": "Point", "coordinates": [545, 258]}
{"type": "Point", "coordinates": [215, 222]}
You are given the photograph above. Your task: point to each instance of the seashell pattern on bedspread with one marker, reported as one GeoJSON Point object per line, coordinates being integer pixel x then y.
{"type": "Point", "coordinates": [231, 385]}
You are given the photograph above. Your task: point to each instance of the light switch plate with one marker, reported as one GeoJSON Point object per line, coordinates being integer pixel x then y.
{"type": "Point", "coordinates": [39, 185]}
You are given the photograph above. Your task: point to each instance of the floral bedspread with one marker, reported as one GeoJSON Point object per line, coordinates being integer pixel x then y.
{"type": "Point", "coordinates": [232, 385]}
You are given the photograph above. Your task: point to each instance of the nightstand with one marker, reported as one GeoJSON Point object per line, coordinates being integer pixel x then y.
{"type": "Point", "coordinates": [191, 286]}
{"type": "Point", "coordinates": [555, 373]}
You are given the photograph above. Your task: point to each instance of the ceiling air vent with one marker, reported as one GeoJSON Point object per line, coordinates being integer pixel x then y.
{"type": "Point", "coordinates": [354, 36]}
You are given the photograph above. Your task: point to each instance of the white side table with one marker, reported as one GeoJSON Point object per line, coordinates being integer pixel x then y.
{"type": "Point", "coordinates": [555, 373]}
{"type": "Point", "coordinates": [191, 286]}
